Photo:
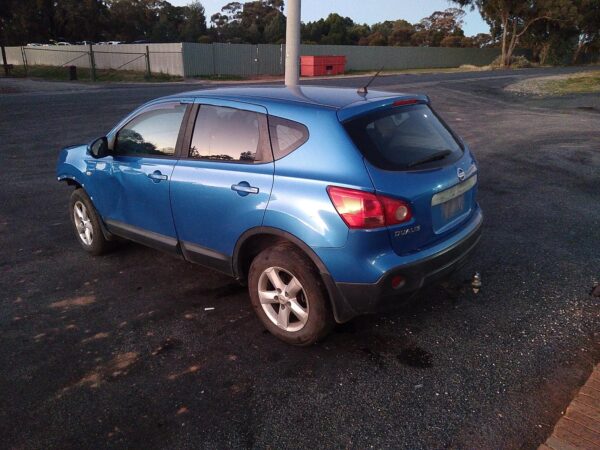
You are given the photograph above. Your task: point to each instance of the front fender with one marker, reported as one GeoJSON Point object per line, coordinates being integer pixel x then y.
{"type": "Point", "coordinates": [71, 164]}
{"type": "Point", "coordinates": [76, 166]}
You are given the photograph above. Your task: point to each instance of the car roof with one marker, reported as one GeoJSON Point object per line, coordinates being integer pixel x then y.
{"type": "Point", "coordinates": [317, 96]}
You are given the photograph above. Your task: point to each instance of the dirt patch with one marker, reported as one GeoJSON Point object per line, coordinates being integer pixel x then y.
{"type": "Point", "coordinates": [74, 302]}
{"type": "Point", "coordinates": [95, 337]}
{"type": "Point", "coordinates": [116, 367]}
{"type": "Point", "coordinates": [192, 369]}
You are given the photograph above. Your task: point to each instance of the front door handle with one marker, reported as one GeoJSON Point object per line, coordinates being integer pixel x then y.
{"type": "Point", "coordinates": [157, 176]}
{"type": "Point", "coordinates": [243, 188]}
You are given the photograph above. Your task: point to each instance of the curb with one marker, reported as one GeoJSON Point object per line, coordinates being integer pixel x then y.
{"type": "Point", "coordinates": [579, 428]}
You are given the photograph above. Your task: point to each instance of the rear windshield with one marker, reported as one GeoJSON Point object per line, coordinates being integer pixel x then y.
{"type": "Point", "coordinates": [404, 138]}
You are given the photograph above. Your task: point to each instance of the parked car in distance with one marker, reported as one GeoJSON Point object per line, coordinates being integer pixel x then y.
{"type": "Point", "coordinates": [327, 202]}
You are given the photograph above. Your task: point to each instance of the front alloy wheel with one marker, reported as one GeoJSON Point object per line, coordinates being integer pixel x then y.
{"type": "Point", "coordinates": [83, 223]}
{"type": "Point", "coordinates": [86, 224]}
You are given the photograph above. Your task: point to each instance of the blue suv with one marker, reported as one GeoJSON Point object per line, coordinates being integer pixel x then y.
{"type": "Point", "coordinates": [327, 202]}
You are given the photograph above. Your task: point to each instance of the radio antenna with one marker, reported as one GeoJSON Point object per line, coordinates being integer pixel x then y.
{"type": "Point", "coordinates": [365, 89]}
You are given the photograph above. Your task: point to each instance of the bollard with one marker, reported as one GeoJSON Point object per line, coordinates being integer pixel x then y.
{"type": "Point", "coordinates": [72, 73]}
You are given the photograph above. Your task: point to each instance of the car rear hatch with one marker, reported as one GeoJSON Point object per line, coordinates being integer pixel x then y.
{"type": "Point", "coordinates": [412, 155]}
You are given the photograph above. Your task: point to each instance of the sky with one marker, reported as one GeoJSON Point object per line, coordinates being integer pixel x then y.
{"type": "Point", "coordinates": [368, 11]}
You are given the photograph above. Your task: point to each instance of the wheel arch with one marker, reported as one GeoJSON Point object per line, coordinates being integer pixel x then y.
{"type": "Point", "coordinates": [73, 182]}
{"type": "Point", "coordinates": [255, 240]}
{"type": "Point", "coordinates": [77, 185]}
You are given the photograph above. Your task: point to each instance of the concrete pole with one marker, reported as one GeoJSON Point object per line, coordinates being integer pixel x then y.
{"type": "Point", "coordinates": [292, 43]}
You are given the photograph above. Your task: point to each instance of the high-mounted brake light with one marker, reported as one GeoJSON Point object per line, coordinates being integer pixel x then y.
{"type": "Point", "coordinates": [360, 209]}
{"type": "Point", "coordinates": [411, 101]}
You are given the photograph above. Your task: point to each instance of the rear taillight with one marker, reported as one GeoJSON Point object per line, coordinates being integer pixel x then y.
{"type": "Point", "coordinates": [360, 209]}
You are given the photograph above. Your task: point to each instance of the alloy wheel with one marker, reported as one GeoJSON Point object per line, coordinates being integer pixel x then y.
{"type": "Point", "coordinates": [283, 299]}
{"type": "Point", "coordinates": [83, 223]}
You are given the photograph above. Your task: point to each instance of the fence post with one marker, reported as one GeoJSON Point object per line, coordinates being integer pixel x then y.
{"type": "Point", "coordinates": [92, 64]}
{"type": "Point", "coordinates": [147, 62]}
{"type": "Point", "coordinates": [214, 59]}
{"type": "Point", "coordinates": [4, 60]}
{"type": "Point", "coordinates": [24, 60]}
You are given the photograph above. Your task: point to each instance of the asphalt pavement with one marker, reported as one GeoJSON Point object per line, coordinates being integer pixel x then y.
{"type": "Point", "coordinates": [124, 350]}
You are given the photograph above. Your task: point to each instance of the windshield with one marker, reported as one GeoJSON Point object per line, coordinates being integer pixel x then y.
{"type": "Point", "coordinates": [407, 137]}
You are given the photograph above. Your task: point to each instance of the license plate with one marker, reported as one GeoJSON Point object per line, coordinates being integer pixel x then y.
{"type": "Point", "coordinates": [453, 207]}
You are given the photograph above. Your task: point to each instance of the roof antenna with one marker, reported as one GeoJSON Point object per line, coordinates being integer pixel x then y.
{"type": "Point", "coordinates": [365, 89]}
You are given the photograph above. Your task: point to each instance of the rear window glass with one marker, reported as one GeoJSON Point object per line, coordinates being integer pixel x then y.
{"type": "Point", "coordinates": [404, 138]}
{"type": "Point", "coordinates": [286, 136]}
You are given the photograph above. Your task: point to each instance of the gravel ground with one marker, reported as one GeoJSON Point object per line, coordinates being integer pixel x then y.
{"type": "Point", "coordinates": [119, 351]}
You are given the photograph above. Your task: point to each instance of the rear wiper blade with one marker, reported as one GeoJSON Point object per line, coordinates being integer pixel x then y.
{"type": "Point", "coordinates": [436, 156]}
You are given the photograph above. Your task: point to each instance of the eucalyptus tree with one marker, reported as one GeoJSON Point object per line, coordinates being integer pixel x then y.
{"type": "Point", "coordinates": [511, 19]}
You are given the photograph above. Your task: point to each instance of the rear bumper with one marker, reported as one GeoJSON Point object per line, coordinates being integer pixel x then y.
{"type": "Point", "coordinates": [353, 299]}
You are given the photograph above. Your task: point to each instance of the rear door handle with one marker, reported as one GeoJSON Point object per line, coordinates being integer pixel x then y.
{"type": "Point", "coordinates": [243, 188]}
{"type": "Point", "coordinates": [157, 176]}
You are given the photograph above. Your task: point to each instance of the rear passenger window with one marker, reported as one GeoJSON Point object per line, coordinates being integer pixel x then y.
{"type": "Point", "coordinates": [286, 136]}
{"type": "Point", "coordinates": [230, 135]}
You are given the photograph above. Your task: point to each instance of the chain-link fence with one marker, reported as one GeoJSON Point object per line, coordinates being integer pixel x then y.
{"type": "Point", "coordinates": [149, 59]}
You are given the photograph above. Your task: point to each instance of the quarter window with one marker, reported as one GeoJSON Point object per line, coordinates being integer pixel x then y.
{"type": "Point", "coordinates": [286, 136]}
{"type": "Point", "coordinates": [229, 135]}
{"type": "Point", "coordinates": [152, 133]}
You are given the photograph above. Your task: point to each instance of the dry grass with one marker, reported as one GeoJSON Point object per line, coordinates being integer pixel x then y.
{"type": "Point", "coordinates": [58, 73]}
{"type": "Point", "coordinates": [473, 68]}
{"type": "Point", "coordinates": [578, 83]}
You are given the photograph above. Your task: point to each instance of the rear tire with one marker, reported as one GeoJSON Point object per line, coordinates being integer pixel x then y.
{"type": "Point", "coordinates": [86, 224]}
{"type": "Point", "coordinates": [288, 295]}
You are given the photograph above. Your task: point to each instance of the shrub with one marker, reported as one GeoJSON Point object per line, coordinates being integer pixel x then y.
{"type": "Point", "coordinates": [516, 62]}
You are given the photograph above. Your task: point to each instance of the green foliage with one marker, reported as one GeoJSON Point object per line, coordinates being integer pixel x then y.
{"type": "Point", "coordinates": [553, 29]}
{"type": "Point", "coordinates": [42, 21]}
{"type": "Point", "coordinates": [256, 22]}
{"type": "Point", "coordinates": [430, 31]}
{"type": "Point", "coordinates": [588, 27]}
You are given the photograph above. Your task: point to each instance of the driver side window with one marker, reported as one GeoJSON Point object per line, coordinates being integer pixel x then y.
{"type": "Point", "coordinates": [152, 133]}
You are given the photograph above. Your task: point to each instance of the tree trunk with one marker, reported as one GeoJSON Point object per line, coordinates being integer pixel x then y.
{"type": "Point", "coordinates": [580, 46]}
{"type": "Point", "coordinates": [504, 37]}
{"type": "Point", "coordinates": [544, 53]}
{"type": "Point", "coordinates": [514, 39]}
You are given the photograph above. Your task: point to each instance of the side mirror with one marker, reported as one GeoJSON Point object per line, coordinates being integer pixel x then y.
{"type": "Point", "coordinates": [99, 148]}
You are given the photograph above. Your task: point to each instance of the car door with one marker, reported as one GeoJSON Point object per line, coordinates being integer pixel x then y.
{"type": "Point", "coordinates": [143, 157]}
{"type": "Point", "coordinates": [221, 185]}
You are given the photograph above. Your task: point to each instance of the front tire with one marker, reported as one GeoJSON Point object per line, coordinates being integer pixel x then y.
{"type": "Point", "coordinates": [288, 295]}
{"type": "Point", "coordinates": [86, 224]}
